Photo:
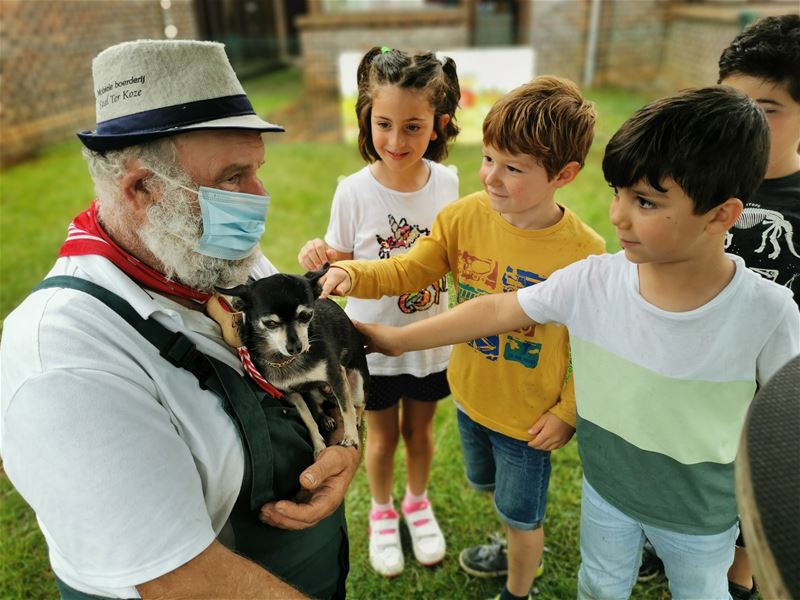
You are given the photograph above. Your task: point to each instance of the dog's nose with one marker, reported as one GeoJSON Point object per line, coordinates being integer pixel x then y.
{"type": "Point", "coordinates": [294, 346]}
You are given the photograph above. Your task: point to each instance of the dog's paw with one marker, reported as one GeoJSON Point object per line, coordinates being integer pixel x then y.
{"type": "Point", "coordinates": [328, 423]}
{"type": "Point", "coordinates": [349, 443]}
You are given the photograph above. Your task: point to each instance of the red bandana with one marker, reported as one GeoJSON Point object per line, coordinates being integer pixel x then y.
{"type": "Point", "coordinates": [86, 236]}
{"type": "Point", "coordinates": [251, 370]}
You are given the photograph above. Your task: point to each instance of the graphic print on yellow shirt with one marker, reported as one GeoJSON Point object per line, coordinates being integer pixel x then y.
{"type": "Point", "coordinates": [516, 347]}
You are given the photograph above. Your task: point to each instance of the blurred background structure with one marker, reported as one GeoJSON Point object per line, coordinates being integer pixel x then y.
{"type": "Point", "coordinates": [46, 46]}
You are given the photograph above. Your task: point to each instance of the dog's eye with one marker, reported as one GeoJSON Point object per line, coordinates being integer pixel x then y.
{"type": "Point", "coordinates": [305, 317]}
{"type": "Point", "coordinates": [270, 324]}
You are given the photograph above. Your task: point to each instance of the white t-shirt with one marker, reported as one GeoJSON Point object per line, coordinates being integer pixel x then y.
{"type": "Point", "coordinates": [373, 221]}
{"type": "Point", "coordinates": [131, 468]}
{"type": "Point", "coordinates": [661, 396]}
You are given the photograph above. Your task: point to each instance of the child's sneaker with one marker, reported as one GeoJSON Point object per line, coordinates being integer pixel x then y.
{"type": "Point", "coordinates": [487, 560]}
{"type": "Point", "coordinates": [652, 566]}
{"type": "Point", "coordinates": [490, 560]}
{"type": "Point", "coordinates": [427, 539]}
{"type": "Point", "coordinates": [385, 550]}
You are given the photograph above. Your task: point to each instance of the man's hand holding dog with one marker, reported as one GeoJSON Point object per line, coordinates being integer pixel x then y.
{"type": "Point", "coordinates": [550, 433]}
{"type": "Point", "coordinates": [324, 484]}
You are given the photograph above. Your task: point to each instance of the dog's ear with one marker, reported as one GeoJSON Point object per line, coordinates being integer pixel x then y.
{"type": "Point", "coordinates": [313, 278]}
{"type": "Point", "coordinates": [239, 290]}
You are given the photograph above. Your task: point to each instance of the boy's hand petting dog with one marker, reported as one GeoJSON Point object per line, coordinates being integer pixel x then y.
{"type": "Point", "coordinates": [323, 486]}
{"type": "Point", "coordinates": [336, 281]}
{"type": "Point", "coordinates": [379, 338]}
{"type": "Point", "coordinates": [550, 433]}
{"type": "Point", "coordinates": [315, 253]}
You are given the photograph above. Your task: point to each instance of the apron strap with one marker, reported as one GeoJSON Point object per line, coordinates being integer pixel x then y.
{"type": "Point", "coordinates": [241, 399]}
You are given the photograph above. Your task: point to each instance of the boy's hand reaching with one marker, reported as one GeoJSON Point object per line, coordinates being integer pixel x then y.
{"type": "Point", "coordinates": [315, 253]}
{"type": "Point", "coordinates": [379, 338]}
{"type": "Point", "coordinates": [550, 433]}
{"type": "Point", "coordinates": [336, 281]}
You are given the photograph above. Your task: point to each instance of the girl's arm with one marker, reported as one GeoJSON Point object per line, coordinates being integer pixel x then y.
{"type": "Point", "coordinates": [480, 317]}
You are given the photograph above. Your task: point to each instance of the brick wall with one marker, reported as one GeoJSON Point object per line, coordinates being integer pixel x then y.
{"type": "Point", "coordinates": [691, 52]}
{"type": "Point", "coordinates": [46, 91]}
{"type": "Point", "coordinates": [657, 45]}
{"type": "Point", "coordinates": [630, 47]}
{"type": "Point", "coordinates": [324, 36]}
{"type": "Point", "coordinates": [557, 31]}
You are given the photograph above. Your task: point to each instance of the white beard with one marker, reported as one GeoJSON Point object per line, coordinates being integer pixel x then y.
{"type": "Point", "coordinates": [174, 227]}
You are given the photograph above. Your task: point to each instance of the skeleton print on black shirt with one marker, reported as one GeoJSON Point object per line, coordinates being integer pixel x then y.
{"type": "Point", "coordinates": [766, 235]}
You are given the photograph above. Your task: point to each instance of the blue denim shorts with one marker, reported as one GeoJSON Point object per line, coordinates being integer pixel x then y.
{"type": "Point", "coordinates": [517, 474]}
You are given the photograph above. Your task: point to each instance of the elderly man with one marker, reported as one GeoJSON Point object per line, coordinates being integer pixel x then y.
{"type": "Point", "coordinates": [156, 468]}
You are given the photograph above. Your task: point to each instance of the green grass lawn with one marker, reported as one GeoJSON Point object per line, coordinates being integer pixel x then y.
{"type": "Point", "coordinates": [37, 201]}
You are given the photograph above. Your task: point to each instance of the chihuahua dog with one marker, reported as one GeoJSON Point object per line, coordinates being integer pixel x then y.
{"type": "Point", "coordinates": [307, 348]}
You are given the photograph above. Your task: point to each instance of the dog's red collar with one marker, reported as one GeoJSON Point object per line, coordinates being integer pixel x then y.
{"type": "Point", "coordinates": [251, 370]}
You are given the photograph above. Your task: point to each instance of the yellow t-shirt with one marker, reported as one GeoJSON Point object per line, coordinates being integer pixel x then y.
{"type": "Point", "coordinates": [503, 382]}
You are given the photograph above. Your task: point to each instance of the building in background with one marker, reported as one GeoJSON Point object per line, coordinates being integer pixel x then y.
{"type": "Point", "coordinates": [46, 45]}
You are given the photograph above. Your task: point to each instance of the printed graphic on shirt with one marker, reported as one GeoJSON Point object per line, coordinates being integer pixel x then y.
{"type": "Point", "coordinates": [488, 346]}
{"type": "Point", "coordinates": [484, 271]}
{"type": "Point", "coordinates": [522, 351]}
{"type": "Point", "coordinates": [403, 236]}
{"type": "Point", "coordinates": [424, 299]}
{"type": "Point", "coordinates": [765, 239]}
{"type": "Point", "coordinates": [481, 270]}
{"type": "Point", "coordinates": [515, 279]}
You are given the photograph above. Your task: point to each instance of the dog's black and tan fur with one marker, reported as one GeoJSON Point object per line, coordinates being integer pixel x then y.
{"type": "Point", "coordinates": [305, 346]}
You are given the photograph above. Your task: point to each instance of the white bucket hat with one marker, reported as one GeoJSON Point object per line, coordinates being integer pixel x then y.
{"type": "Point", "coordinates": [150, 89]}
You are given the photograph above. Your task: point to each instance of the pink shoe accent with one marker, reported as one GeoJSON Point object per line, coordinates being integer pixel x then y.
{"type": "Point", "coordinates": [409, 507]}
{"type": "Point", "coordinates": [412, 507]}
{"type": "Point", "coordinates": [427, 540]}
{"type": "Point", "coordinates": [380, 515]}
{"type": "Point", "coordinates": [385, 550]}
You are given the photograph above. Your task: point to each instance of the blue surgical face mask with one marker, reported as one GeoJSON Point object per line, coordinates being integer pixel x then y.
{"type": "Point", "coordinates": [233, 222]}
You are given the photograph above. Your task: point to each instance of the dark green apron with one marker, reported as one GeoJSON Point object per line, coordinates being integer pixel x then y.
{"type": "Point", "coordinates": [277, 449]}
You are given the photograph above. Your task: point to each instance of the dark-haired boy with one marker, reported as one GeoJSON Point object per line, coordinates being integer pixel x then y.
{"type": "Point", "coordinates": [670, 339]}
{"type": "Point", "coordinates": [764, 62]}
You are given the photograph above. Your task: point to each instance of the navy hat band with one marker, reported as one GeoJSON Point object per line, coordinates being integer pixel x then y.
{"type": "Point", "coordinates": [180, 115]}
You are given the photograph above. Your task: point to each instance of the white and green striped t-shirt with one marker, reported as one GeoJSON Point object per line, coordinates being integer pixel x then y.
{"type": "Point", "coordinates": [662, 396]}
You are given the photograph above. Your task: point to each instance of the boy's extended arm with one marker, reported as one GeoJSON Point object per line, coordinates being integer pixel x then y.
{"type": "Point", "coordinates": [480, 317]}
{"type": "Point", "coordinates": [426, 262]}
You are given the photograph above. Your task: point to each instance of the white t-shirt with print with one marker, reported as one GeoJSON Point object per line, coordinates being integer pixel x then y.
{"type": "Point", "coordinates": [374, 222]}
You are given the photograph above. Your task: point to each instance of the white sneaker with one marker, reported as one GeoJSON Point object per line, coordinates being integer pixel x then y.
{"type": "Point", "coordinates": [385, 550]}
{"type": "Point", "coordinates": [426, 538]}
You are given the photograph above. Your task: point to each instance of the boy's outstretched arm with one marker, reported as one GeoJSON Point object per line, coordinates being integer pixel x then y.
{"type": "Point", "coordinates": [480, 317]}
